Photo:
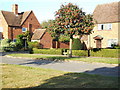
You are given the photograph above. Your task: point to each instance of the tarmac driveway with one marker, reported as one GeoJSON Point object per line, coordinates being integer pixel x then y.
{"type": "Point", "coordinates": [91, 68]}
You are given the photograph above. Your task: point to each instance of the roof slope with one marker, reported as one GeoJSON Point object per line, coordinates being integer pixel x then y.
{"type": "Point", "coordinates": [38, 33]}
{"type": "Point", "coordinates": [15, 20]}
{"type": "Point", "coordinates": [107, 13]}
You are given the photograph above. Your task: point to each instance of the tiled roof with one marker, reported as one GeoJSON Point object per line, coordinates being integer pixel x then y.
{"type": "Point", "coordinates": [15, 20]}
{"type": "Point", "coordinates": [107, 13]}
{"type": "Point", "coordinates": [38, 33]}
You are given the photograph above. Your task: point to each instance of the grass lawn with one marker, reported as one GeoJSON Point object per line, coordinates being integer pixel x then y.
{"type": "Point", "coordinates": [15, 76]}
{"type": "Point", "coordinates": [85, 59]}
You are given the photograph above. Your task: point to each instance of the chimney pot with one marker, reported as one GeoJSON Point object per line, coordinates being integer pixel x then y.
{"type": "Point", "coordinates": [15, 8]}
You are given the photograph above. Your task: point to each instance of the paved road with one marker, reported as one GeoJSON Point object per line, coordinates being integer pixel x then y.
{"type": "Point", "coordinates": [91, 68]}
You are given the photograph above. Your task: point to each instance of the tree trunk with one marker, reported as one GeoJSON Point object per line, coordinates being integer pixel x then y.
{"type": "Point", "coordinates": [70, 48]}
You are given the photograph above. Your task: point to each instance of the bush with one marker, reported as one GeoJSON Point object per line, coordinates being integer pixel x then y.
{"type": "Point", "coordinates": [47, 51]}
{"type": "Point", "coordinates": [77, 45]}
{"type": "Point", "coordinates": [34, 45]}
{"type": "Point", "coordinates": [5, 45]}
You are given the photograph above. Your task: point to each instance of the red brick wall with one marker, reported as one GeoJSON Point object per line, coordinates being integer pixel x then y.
{"type": "Point", "coordinates": [64, 45]}
{"type": "Point", "coordinates": [61, 44]}
{"type": "Point", "coordinates": [46, 40]}
{"type": "Point", "coordinates": [17, 32]}
{"type": "Point", "coordinates": [32, 20]}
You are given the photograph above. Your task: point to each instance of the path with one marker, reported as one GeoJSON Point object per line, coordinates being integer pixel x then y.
{"type": "Point", "coordinates": [91, 68]}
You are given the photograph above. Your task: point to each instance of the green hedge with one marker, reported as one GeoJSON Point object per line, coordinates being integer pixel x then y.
{"type": "Point", "coordinates": [106, 53]}
{"type": "Point", "coordinates": [59, 52]}
{"type": "Point", "coordinates": [100, 53]}
{"type": "Point", "coordinates": [47, 51]}
{"type": "Point", "coordinates": [79, 52]}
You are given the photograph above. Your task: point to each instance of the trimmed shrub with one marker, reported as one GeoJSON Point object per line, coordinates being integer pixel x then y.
{"type": "Point", "coordinates": [113, 53]}
{"type": "Point", "coordinates": [47, 51]}
{"type": "Point", "coordinates": [79, 52]}
{"type": "Point", "coordinates": [77, 45]}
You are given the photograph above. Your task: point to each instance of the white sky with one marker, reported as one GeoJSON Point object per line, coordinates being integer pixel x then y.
{"type": "Point", "coordinates": [44, 9]}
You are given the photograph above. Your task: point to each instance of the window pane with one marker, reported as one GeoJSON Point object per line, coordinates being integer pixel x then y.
{"type": "Point", "coordinates": [99, 26]}
{"type": "Point", "coordinates": [109, 26]}
{"type": "Point", "coordinates": [24, 29]}
{"type": "Point", "coordinates": [112, 41]}
{"type": "Point", "coordinates": [1, 29]}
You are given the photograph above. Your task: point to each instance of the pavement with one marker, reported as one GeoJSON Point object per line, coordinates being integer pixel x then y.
{"type": "Point", "coordinates": [72, 66]}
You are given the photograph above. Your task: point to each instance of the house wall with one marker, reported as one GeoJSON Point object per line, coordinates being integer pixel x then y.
{"type": "Point", "coordinates": [60, 44]}
{"type": "Point", "coordinates": [4, 25]}
{"type": "Point", "coordinates": [106, 34]}
{"type": "Point", "coordinates": [13, 32]}
{"type": "Point", "coordinates": [31, 20]}
{"type": "Point", "coordinates": [46, 40]}
{"type": "Point", "coordinates": [64, 45]}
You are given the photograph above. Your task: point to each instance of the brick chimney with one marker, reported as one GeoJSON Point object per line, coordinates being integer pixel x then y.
{"type": "Point", "coordinates": [15, 8]}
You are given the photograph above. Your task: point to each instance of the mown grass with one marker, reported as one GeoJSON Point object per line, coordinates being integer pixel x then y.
{"type": "Point", "coordinates": [85, 59]}
{"type": "Point", "coordinates": [15, 76]}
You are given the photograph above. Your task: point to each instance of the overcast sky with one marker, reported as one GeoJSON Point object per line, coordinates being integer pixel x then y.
{"type": "Point", "coordinates": [45, 9]}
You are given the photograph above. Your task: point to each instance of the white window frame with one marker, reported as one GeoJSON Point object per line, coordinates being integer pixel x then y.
{"type": "Point", "coordinates": [100, 26]}
{"type": "Point", "coordinates": [109, 26]}
{"type": "Point", "coordinates": [105, 26]}
{"type": "Point", "coordinates": [112, 41]}
{"type": "Point", "coordinates": [24, 30]}
{"type": "Point", "coordinates": [1, 29]}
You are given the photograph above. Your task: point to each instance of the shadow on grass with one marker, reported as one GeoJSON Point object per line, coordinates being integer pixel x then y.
{"type": "Point", "coordinates": [80, 80]}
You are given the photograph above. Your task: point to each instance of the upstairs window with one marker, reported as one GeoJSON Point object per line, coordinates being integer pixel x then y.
{"type": "Point", "coordinates": [100, 26]}
{"type": "Point", "coordinates": [24, 29]}
{"type": "Point", "coordinates": [109, 27]}
{"type": "Point", "coordinates": [1, 29]}
{"type": "Point", "coordinates": [104, 26]}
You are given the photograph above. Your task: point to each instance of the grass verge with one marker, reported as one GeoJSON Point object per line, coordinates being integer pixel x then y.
{"type": "Point", "coordinates": [62, 58]}
{"type": "Point", "coordinates": [15, 76]}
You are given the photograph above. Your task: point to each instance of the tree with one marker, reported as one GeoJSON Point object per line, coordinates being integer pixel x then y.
{"type": "Point", "coordinates": [45, 24]}
{"type": "Point", "coordinates": [77, 45]}
{"type": "Point", "coordinates": [70, 20]}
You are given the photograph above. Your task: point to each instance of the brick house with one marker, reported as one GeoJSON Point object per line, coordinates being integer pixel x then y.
{"type": "Point", "coordinates": [14, 23]}
{"type": "Point", "coordinates": [107, 24]}
{"type": "Point", "coordinates": [45, 39]}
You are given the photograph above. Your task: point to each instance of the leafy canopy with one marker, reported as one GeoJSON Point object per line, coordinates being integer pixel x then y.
{"type": "Point", "coordinates": [70, 20]}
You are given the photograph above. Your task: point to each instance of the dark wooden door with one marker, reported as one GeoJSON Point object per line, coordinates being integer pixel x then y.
{"type": "Point", "coordinates": [98, 43]}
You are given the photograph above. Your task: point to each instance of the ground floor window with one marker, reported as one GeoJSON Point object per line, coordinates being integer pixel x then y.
{"type": "Point", "coordinates": [112, 42]}
{"type": "Point", "coordinates": [14, 40]}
